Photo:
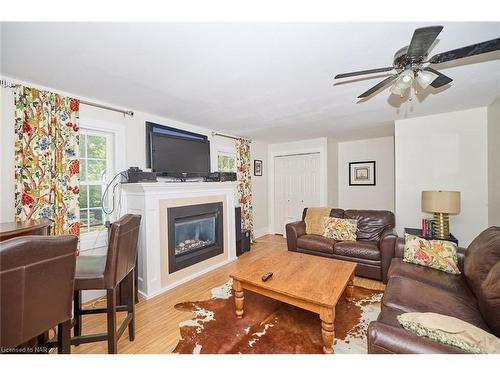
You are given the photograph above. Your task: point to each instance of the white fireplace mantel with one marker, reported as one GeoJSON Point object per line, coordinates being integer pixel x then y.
{"type": "Point", "coordinates": [147, 200]}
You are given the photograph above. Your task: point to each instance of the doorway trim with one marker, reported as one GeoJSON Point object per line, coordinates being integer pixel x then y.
{"type": "Point", "coordinates": [323, 156]}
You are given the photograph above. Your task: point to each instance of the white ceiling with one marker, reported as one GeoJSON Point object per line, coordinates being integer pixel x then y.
{"type": "Point", "coordinates": [266, 81]}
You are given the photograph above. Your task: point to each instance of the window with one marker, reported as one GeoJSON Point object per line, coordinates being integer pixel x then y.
{"type": "Point", "coordinates": [226, 162]}
{"type": "Point", "coordinates": [96, 169]}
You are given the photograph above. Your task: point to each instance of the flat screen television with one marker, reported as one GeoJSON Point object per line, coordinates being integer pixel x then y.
{"type": "Point", "coordinates": [177, 153]}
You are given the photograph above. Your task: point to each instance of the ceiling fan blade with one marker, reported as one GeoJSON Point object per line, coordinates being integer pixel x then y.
{"type": "Point", "coordinates": [361, 72]}
{"type": "Point", "coordinates": [378, 86]}
{"type": "Point", "coordinates": [422, 40]}
{"type": "Point", "coordinates": [441, 79]}
{"type": "Point", "coordinates": [473, 49]}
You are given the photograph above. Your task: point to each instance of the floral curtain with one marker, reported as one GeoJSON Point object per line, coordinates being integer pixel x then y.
{"type": "Point", "coordinates": [46, 159]}
{"type": "Point", "coordinates": [244, 184]}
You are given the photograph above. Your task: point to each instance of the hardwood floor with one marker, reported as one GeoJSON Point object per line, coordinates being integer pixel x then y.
{"type": "Point", "coordinates": [157, 321]}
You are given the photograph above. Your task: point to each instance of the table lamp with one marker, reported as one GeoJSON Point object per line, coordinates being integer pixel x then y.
{"type": "Point", "coordinates": [441, 204]}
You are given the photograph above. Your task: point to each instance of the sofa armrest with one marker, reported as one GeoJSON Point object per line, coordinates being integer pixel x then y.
{"type": "Point", "coordinates": [387, 339]}
{"type": "Point", "coordinates": [399, 247]}
{"type": "Point", "coordinates": [461, 257]}
{"type": "Point", "coordinates": [387, 244]}
{"type": "Point", "coordinates": [293, 231]}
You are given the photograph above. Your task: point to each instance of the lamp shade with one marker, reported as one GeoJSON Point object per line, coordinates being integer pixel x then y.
{"type": "Point", "coordinates": [405, 79]}
{"type": "Point", "coordinates": [447, 202]}
{"type": "Point", "coordinates": [425, 78]}
{"type": "Point", "coordinates": [396, 90]}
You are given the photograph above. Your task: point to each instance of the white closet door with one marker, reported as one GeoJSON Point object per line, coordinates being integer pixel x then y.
{"type": "Point", "coordinates": [296, 186]}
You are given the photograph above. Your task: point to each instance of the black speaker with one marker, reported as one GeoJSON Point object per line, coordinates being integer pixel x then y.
{"type": "Point", "coordinates": [237, 222]}
{"type": "Point", "coordinates": [242, 235]}
{"type": "Point", "coordinates": [245, 241]}
{"type": "Point", "coordinates": [220, 176]}
{"type": "Point", "coordinates": [134, 174]}
{"type": "Point", "coordinates": [228, 176]}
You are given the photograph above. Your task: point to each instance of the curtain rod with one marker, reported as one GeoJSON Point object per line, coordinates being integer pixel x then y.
{"type": "Point", "coordinates": [6, 84]}
{"type": "Point", "coordinates": [125, 112]}
{"type": "Point", "coordinates": [230, 136]}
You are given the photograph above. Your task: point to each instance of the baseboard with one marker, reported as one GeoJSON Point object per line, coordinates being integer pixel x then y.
{"type": "Point", "coordinates": [90, 295]}
{"type": "Point", "coordinates": [185, 279]}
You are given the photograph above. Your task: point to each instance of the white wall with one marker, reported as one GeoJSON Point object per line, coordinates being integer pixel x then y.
{"type": "Point", "coordinates": [447, 151]}
{"type": "Point", "coordinates": [6, 156]}
{"type": "Point", "coordinates": [134, 146]}
{"type": "Point", "coordinates": [378, 197]}
{"type": "Point", "coordinates": [494, 163]}
{"type": "Point", "coordinates": [333, 173]}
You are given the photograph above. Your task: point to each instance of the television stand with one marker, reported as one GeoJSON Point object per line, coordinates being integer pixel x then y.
{"type": "Point", "coordinates": [182, 179]}
{"type": "Point", "coordinates": [193, 179]}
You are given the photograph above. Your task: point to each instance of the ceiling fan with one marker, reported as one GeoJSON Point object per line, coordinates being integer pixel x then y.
{"type": "Point", "coordinates": [411, 63]}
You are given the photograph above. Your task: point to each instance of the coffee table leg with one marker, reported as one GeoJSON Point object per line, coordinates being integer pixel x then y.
{"type": "Point", "coordinates": [239, 298]}
{"type": "Point", "coordinates": [350, 289]}
{"type": "Point", "coordinates": [327, 317]}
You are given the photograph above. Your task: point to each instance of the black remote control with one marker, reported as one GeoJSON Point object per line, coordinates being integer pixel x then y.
{"type": "Point", "coordinates": [267, 276]}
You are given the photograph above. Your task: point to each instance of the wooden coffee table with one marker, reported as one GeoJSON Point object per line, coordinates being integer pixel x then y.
{"type": "Point", "coordinates": [307, 281]}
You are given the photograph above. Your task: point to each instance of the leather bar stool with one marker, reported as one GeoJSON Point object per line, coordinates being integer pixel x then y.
{"type": "Point", "coordinates": [36, 286]}
{"type": "Point", "coordinates": [107, 272]}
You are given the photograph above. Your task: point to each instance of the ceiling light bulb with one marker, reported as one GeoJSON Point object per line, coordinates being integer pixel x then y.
{"type": "Point", "coordinates": [403, 82]}
{"type": "Point", "coordinates": [406, 78]}
{"type": "Point", "coordinates": [397, 90]}
{"type": "Point", "coordinates": [425, 78]}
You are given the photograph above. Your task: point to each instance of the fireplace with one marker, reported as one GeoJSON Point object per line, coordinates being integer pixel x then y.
{"type": "Point", "coordinates": [195, 233]}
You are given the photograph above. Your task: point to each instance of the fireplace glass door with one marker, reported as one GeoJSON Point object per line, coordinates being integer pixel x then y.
{"type": "Point", "coordinates": [195, 233]}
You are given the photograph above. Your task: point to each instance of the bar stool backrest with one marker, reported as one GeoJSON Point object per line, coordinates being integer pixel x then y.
{"type": "Point", "coordinates": [122, 249]}
{"type": "Point", "coordinates": [36, 285]}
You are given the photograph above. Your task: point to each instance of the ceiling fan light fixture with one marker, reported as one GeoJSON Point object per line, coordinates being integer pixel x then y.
{"type": "Point", "coordinates": [405, 79]}
{"type": "Point", "coordinates": [409, 61]}
{"type": "Point", "coordinates": [397, 90]}
{"type": "Point", "coordinates": [425, 78]}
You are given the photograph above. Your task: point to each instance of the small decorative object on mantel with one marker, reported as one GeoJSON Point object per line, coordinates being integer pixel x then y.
{"type": "Point", "coordinates": [257, 167]}
{"type": "Point", "coordinates": [362, 173]}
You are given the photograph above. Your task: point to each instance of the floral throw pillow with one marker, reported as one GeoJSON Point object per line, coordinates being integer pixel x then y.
{"type": "Point", "coordinates": [438, 254]}
{"type": "Point", "coordinates": [340, 229]}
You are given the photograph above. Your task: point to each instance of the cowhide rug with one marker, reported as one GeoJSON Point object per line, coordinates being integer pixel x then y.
{"type": "Point", "coordinates": [270, 327]}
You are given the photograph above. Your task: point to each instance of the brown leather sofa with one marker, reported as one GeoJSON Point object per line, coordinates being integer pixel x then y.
{"type": "Point", "coordinates": [373, 249]}
{"type": "Point", "coordinates": [473, 296]}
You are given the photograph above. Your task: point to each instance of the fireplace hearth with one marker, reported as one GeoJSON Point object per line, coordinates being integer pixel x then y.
{"type": "Point", "coordinates": [195, 233]}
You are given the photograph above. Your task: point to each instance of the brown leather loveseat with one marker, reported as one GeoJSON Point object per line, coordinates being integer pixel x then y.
{"type": "Point", "coordinates": [373, 249]}
{"type": "Point", "coordinates": [473, 296]}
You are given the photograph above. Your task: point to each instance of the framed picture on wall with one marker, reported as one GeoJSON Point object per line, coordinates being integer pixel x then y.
{"type": "Point", "coordinates": [362, 173]}
{"type": "Point", "coordinates": [257, 167]}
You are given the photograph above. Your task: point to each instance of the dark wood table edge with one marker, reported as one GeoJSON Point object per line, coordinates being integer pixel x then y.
{"type": "Point", "coordinates": [24, 228]}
